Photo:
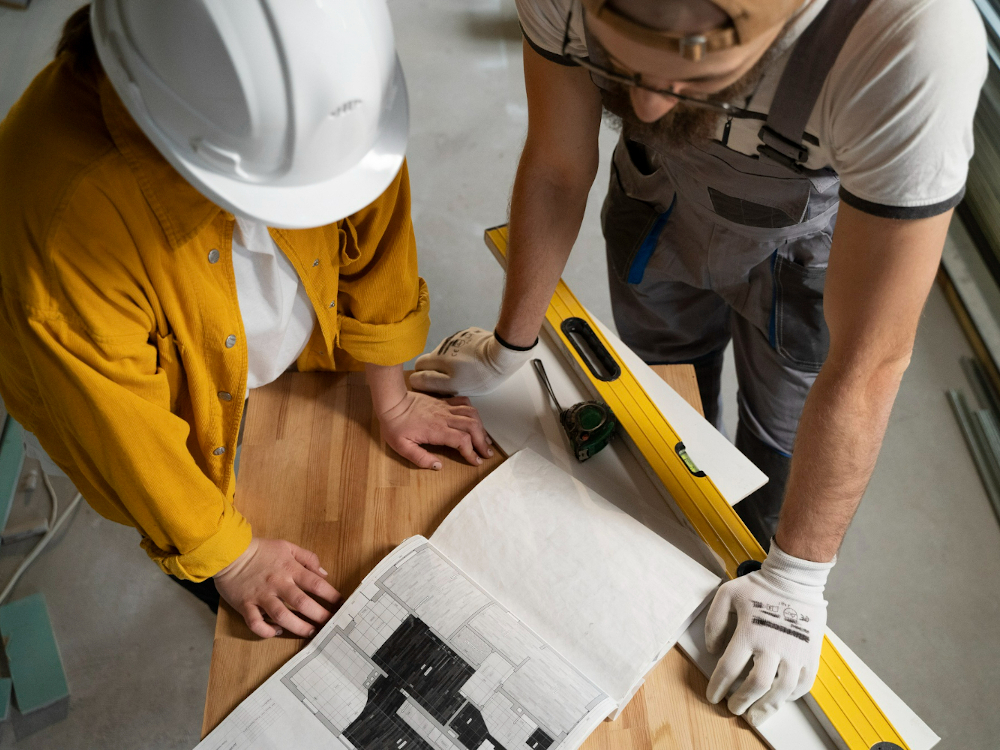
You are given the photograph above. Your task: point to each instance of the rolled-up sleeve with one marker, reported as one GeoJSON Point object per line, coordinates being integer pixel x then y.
{"type": "Point", "coordinates": [383, 303]}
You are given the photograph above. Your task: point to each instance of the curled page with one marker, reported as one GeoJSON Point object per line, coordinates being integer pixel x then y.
{"type": "Point", "coordinates": [605, 591]}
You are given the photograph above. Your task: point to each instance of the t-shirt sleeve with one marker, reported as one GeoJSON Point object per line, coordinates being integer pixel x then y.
{"type": "Point", "coordinates": [899, 107]}
{"type": "Point", "coordinates": [543, 23]}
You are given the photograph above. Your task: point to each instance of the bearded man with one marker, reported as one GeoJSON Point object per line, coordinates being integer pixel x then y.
{"type": "Point", "coordinates": [785, 177]}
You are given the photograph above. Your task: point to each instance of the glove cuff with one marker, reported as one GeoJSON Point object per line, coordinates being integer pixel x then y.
{"type": "Point", "coordinates": [788, 569]}
{"type": "Point", "coordinates": [513, 348]}
{"type": "Point", "coordinates": [504, 359]}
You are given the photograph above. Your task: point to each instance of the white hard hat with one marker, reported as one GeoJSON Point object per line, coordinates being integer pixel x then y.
{"type": "Point", "coordinates": [291, 112]}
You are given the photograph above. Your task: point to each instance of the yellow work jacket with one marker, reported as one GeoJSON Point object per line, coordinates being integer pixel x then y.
{"type": "Point", "coordinates": [121, 340]}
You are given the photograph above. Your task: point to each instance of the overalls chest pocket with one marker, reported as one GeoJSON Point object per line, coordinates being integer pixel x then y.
{"type": "Point", "coordinates": [770, 206]}
{"type": "Point", "coordinates": [633, 215]}
{"type": "Point", "coordinates": [744, 190]}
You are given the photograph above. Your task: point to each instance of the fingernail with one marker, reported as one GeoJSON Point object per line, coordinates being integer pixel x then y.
{"type": "Point", "coordinates": [489, 440]}
{"type": "Point", "coordinates": [489, 451]}
{"type": "Point", "coordinates": [478, 460]}
{"type": "Point", "coordinates": [278, 631]}
{"type": "Point", "coordinates": [311, 633]}
{"type": "Point", "coordinates": [436, 467]}
{"type": "Point", "coordinates": [323, 572]}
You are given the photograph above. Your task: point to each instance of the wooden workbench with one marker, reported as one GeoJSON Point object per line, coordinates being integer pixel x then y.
{"type": "Point", "coordinates": [315, 471]}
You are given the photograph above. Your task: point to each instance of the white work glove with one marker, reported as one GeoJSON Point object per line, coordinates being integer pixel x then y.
{"type": "Point", "coordinates": [469, 363]}
{"type": "Point", "coordinates": [780, 621]}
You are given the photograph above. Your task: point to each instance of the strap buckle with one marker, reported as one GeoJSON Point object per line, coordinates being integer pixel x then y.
{"type": "Point", "coordinates": [692, 47]}
{"type": "Point", "coordinates": [782, 150]}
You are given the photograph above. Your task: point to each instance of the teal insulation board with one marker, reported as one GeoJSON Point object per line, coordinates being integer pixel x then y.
{"type": "Point", "coordinates": [5, 686]}
{"type": "Point", "coordinates": [11, 462]}
{"type": "Point", "coordinates": [35, 666]}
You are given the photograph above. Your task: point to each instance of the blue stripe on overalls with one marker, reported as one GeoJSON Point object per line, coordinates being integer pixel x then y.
{"type": "Point", "coordinates": [648, 246]}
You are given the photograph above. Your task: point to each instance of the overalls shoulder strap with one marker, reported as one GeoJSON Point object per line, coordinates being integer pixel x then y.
{"type": "Point", "coordinates": [808, 66]}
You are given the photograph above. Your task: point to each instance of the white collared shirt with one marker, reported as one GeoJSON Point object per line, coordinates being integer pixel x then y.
{"type": "Point", "coordinates": [278, 317]}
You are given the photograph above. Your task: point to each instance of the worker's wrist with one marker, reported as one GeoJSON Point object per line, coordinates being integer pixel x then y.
{"type": "Point", "coordinates": [387, 386]}
{"type": "Point", "coordinates": [240, 562]}
{"type": "Point", "coordinates": [789, 569]}
{"type": "Point", "coordinates": [515, 336]}
{"type": "Point", "coordinates": [817, 548]}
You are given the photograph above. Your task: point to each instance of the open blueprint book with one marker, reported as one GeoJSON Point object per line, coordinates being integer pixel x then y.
{"type": "Point", "coordinates": [533, 613]}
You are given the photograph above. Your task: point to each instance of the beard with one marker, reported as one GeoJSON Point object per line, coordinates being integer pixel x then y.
{"type": "Point", "coordinates": [684, 123]}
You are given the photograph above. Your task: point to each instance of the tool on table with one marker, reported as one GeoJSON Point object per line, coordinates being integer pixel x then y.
{"type": "Point", "coordinates": [589, 425]}
{"type": "Point", "coordinates": [840, 695]}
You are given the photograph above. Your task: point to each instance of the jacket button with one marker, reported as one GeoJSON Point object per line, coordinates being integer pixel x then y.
{"type": "Point", "coordinates": [225, 395]}
{"type": "Point", "coordinates": [230, 341]}
{"type": "Point", "coordinates": [213, 256]}
{"type": "Point", "coordinates": [218, 451]}
{"type": "Point", "coordinates": [333, 304]}
{"type": "Point", "coordinates": [315, 262]}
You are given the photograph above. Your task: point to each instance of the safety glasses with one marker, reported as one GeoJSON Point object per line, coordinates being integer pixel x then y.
{"type": "Point", "coordinates": [634, 80]}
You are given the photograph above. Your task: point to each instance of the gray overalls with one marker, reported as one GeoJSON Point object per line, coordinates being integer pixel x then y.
{"type": "Point", "coordinates": [705, 244]}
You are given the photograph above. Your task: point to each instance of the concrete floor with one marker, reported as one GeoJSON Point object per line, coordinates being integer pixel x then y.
{"type": "Point", "coordinates": [917, 590]}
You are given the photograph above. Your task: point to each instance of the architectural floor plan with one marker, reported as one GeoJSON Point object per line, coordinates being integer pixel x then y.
{"type": "Point", "coordinates": [421, 658]}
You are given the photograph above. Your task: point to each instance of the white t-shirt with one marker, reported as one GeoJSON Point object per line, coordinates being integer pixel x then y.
{"type": "Point", "coordinates": [894, 117]}
{"type": "Point", "coordinates": [278, 317]}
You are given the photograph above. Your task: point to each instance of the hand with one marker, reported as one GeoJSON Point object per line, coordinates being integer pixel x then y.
{"type": "Point", "coordinates": [271, 576]}
{"type": "Point", "coordinates": [419, 419]}
{"type": "Point", "coordinates": [471, 362]}
{"type": "Point", "coordinates": [780, 620]}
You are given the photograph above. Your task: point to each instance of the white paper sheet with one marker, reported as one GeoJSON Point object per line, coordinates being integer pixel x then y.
{"type": "Point", "coordinates": [601, 588]}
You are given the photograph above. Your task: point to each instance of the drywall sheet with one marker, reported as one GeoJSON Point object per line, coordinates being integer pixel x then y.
{"type": "Point", "coordinates": [32, 654]}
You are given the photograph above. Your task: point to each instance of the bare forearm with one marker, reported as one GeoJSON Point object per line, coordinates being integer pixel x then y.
{"type": "Point", "coordinates": [840, 434]}
{"type": "Point", "coordinates": [877, 282]}
{"type": "Point", "coordinates": [545, 219]}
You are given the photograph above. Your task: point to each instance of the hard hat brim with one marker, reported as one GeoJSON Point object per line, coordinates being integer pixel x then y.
{"type": "Point", "coordinates": [301, 207]}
